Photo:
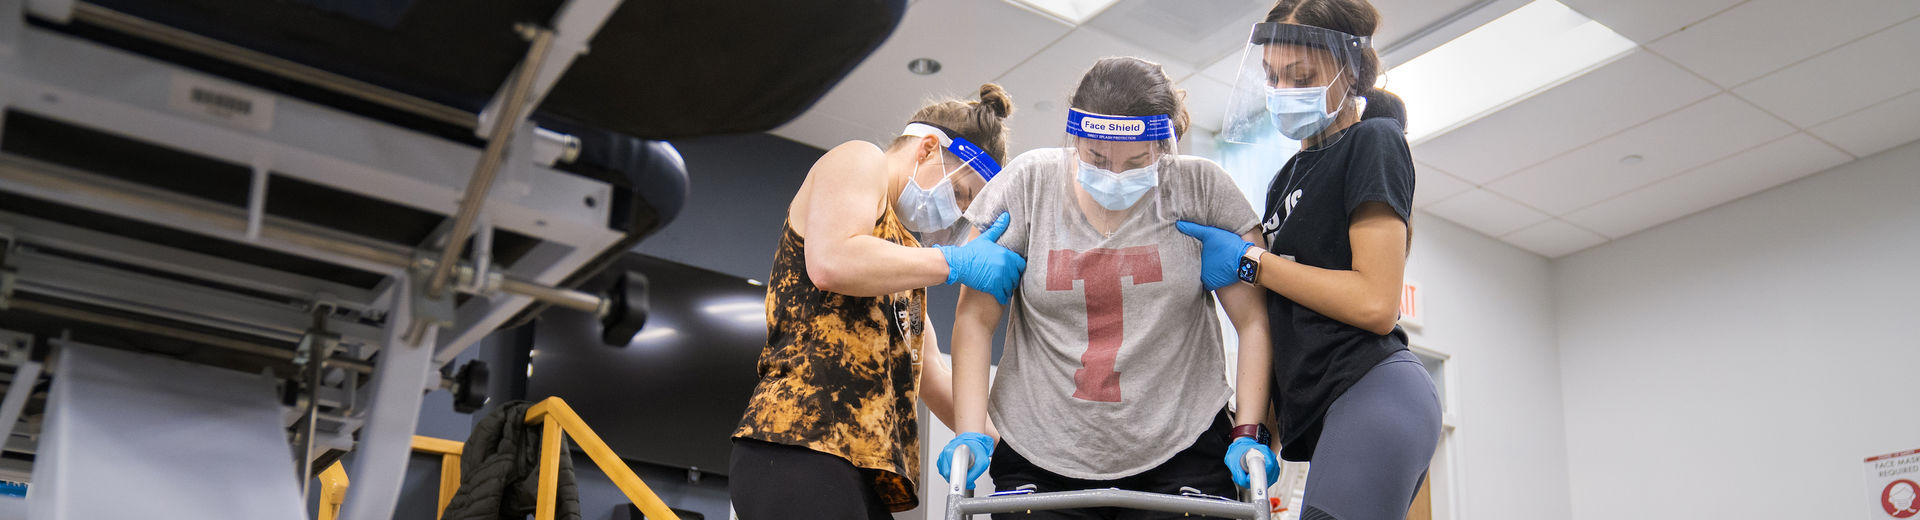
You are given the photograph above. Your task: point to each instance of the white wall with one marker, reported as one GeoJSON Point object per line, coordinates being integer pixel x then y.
{"type": "Point", "coordinates": [1740, 362]}
{"type": "Point", "coordinates": [1490, 306]}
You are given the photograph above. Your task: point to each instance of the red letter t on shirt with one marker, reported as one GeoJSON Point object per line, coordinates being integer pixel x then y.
{"type": "Point", "coordinates": [1100, 270]}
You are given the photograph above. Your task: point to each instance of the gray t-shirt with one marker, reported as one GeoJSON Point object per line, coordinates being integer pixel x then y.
{"type": "Point", "coordinates": [1113, 360]}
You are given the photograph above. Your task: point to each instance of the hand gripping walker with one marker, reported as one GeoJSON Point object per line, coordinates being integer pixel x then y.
{"type": "Point", "coordinates": [960, 505]}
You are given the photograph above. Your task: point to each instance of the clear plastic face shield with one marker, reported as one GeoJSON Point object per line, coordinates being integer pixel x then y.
{"type": "Point", "coordinates": [1294, 81]}
{"type": "Point", "coordinates": [1117, 159]}
{"type": "Point", "coordinates": [932, 202]}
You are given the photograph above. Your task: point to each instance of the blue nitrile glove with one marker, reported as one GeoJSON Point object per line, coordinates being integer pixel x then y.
{"type": "Point", "coordinates": [984, 265]}
{"type": "Point", "coordinates": [1236, 456]}
{"type": "Point", "coordinates": [978, 444]}
{"type": "Point", "coordinates": [1220, 252]}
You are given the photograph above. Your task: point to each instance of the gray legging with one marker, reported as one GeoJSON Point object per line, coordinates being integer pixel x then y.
{"type": "Point", "coordinates": [1375, 445]}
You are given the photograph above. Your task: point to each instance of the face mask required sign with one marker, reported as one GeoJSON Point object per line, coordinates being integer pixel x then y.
{"type": "Point", "coordinates": [1893, 485]}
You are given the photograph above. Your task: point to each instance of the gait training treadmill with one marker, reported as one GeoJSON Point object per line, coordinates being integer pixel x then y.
{"type": "Point", "coordinates": [234, 228]}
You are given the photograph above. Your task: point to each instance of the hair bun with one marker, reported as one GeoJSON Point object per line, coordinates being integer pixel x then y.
{"type": "Point", "coordinates": [995, 98]}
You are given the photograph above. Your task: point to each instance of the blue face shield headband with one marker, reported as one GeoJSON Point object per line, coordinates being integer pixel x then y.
{"type": "Point", "coordinates": [970, 154]}
{"type": "Point", "coordinates": [1106, 138]}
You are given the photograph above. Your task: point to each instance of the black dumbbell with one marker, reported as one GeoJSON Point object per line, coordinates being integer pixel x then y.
{"type": "Point", "coordinates": [627, 309]}
{"type": "Point", "coordinates": [470, 387]}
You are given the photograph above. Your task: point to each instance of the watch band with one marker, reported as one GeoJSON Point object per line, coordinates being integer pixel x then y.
{"type": "Point", "coordinates": [1257, 432]}
{"type": "Point", "coordinates": [1246, 430]}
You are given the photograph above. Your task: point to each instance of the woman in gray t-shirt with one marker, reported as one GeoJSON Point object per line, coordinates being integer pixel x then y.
{"type": "Point", "coordinates": [1113, 374]}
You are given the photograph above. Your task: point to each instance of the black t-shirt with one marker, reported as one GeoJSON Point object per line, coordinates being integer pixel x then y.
{"type": "Point", "coordinates": [1308, 212]}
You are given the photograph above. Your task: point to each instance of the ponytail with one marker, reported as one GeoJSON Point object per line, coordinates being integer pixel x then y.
{"type": "Point", "coordinates": [1381, 103]}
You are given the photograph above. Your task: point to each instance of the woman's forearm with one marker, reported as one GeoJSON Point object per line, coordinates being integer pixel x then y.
{"type": "Point", "coordinates": [973, 322]}
{"type": "Point", "coordinates": [936, 384]}
{"type": "Point", "coordinates": [1367, 296]}
{"type": "Point", "coordinates": [1246, 308]}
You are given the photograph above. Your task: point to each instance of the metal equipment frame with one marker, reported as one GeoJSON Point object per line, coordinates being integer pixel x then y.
{"type": "Point", "coordinates": [365, 355]}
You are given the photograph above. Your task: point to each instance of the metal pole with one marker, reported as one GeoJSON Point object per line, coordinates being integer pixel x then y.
{"type": "Point", "coordinates": [128, 24]}
{"type": "Point", "coordinates": [570, 299]}
{"type": "Point", "coordinates": [490, 160]}
{"type": "Point", "coordinates": [180, 334]}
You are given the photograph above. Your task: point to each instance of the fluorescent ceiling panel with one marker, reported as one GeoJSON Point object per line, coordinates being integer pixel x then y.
{"type": "Point", "coordinates": [1075, 11]}
{"type": "Point", "coordinates": [1528, 50]}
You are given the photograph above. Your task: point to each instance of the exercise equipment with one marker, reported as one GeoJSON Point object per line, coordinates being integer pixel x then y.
{"type": "Point", "coordinates": [343, 197]}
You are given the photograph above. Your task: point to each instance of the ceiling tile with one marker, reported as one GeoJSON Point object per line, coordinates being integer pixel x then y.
{"type": "Point", "coordinates": [1487, 212]}
{"type": "Point", "coordinates": [1042, 83]}
{"type": "Point", "coordinates": [1806, 93]}
{"type": "Point", "coordinates": [1402, 19]}
{"type": "Point", "coordinates": [1647, 20]}
{"type": "Point", "coordinates": [825, 131]}
{"type": "Point", "coordinates": [1206, 100]}
{"type": "Point", "coordinates": [1693, 136]}
{"type": "Point", "coordinates": [1226, 69]}
{"type": "Point", "coordinates": [1432, 185]}
{"type": "Point", "coordinates": [1554, 238]}
{"type": "Point", "coordinates": [1190, 32]}
{"type": "Point", "coordinates": [1761, 36]}
{"type": "Point", "coordinates": [1629, 91]}
{"type": "Point", "coordinates": [975, 42]}
{"type": "Point", "coordinates": [1875, 129]}
{"type": "Point", "coordinates": [1750, 172]}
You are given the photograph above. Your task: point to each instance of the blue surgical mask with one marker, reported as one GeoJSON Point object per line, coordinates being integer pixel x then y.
{"type": "Point", "coordinates": [926, 210]}
{"type": "Point", "coordinates": [1118, 191]}
{"type": "Point", "coordinates": [1299, 113]}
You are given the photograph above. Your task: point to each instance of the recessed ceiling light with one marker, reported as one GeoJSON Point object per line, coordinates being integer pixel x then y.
{"type": "Point", "coordinates": [1073, 11]}
{"type": "Point", "coordinates": [924, 66]}
{"type": "Point", "coordinates": [1632, 159]}
{"type": "Point", "coordinates": [1521, 53]}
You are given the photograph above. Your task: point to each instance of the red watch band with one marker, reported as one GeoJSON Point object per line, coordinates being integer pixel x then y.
{"type": "Point", "coordinates": [1245, 430]}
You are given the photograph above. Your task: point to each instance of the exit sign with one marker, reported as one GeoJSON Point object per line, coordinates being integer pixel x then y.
{"type": "Point", "coordinates": [1413, 305]}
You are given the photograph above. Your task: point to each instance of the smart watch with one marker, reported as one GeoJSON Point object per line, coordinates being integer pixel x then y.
{"type": "Point", "coordinates": [1249, 270]}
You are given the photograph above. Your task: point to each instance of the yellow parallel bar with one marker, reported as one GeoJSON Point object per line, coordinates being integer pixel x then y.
{"type": "Point", "coordinates": [333, 491]}
{"type": "Point", "coordinates": [543, 505]}
{"type": "Point", "coordinates": [554, 411]}
{"type": "Point", "coordinates": [437, 445]}
{"type": "Point", "coordinates": [449, 481]}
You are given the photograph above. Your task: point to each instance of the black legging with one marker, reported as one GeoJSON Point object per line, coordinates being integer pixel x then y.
{"type": "Point", "coordinates": [769, 481]}
{"type": "Point", "coordinates": [1375, 445]}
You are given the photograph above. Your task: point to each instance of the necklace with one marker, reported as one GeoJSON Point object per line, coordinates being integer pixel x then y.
{"type": "Point", "coordinates": [1296, 177]}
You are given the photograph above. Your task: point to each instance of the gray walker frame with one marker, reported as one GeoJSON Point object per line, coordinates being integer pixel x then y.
{"type": "Point", "coordinates": [961, 505]}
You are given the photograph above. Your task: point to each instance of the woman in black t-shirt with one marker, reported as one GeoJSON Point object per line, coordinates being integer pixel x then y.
{"type": "Point", "coordinates": [1347, 393]}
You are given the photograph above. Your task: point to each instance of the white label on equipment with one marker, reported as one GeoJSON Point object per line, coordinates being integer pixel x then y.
{"type": "Point", "coordinates": [1893, 485]}
{"type": "Point", "coordinates": [221, 101]}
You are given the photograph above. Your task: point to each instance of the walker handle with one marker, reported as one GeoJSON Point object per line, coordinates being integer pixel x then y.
{"type": "Point", "coordinates": [957, 480]}
{"type": "Point", "coordinates": [1256, 466]}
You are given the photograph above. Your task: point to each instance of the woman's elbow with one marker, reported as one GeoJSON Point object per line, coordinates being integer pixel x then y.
{"type": "Point", "coordinates": [1381, 319]}
{"type": "Point", "coordinates": [824, 276]}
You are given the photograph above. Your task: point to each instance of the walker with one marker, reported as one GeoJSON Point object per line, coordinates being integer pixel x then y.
{"type": "Point", "coordinates": [962, 505]}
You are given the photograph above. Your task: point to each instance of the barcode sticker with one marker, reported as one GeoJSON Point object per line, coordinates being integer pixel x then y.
{"type": "Point", "coordinates": [221, 101]}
